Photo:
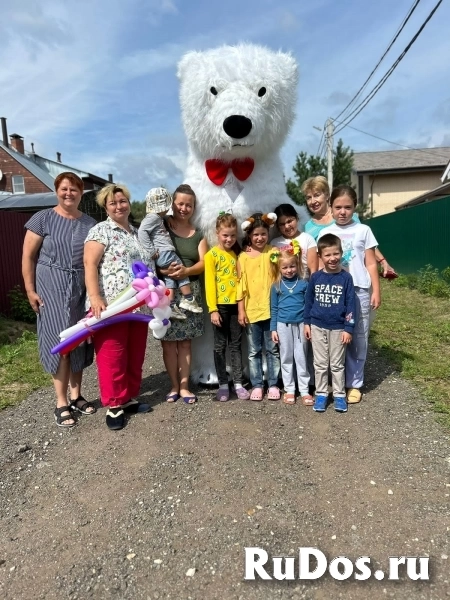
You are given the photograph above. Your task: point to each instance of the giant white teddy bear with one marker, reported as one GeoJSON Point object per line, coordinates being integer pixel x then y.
{"type": "Point", "coordinates": [237, 103]}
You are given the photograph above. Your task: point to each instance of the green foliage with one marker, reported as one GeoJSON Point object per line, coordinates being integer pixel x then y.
{"type": "Point", "coordinates": [427, 281]}
{"type": "Point", "coordinates": [137, 211]}
{"type": "Point", "coordinates": [305, 166]}
{"type": "Point", "coordinates": [412, 331]}
{"type": "Point", "coordinates": [20, 369]}
{"type": "Point", "coordinates": [20, 307]}
{"type": "Point", "coordinates": [311, 165]}
{"type": "Point", "coordinates": [364, 211]}
{"type": "Point", "coordinates": [342, 164]}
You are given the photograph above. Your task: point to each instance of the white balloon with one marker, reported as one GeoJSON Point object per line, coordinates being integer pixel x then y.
{"type": "Point", "coordinates": [159, 333]}
{"type": "Point", "coordinates": [162, 313]}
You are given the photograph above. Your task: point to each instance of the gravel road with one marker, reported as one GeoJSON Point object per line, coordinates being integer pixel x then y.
{"type": "Point", "coordinates": [164, 508]}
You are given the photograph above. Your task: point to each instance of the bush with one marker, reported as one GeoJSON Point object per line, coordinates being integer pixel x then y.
{"type": "Point", "coordinates": [20, 307]}
{"type": "Point", "coordinates": [427, 281]}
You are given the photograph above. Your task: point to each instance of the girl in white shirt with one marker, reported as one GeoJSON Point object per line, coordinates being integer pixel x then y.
{"type": "Point", "coordinates": [287, 223]}
{"type": "Point", "coordinates": [358, 244]}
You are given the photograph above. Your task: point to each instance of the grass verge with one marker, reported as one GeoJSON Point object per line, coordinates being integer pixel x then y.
{"type": "Point", "coordinates": [20, 369]}
{"type": "Point", "coordinates": [413, 332]}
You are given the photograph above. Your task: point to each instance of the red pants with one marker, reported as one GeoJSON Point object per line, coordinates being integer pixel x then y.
{"type": "Point", "coordinates": [120, 352]}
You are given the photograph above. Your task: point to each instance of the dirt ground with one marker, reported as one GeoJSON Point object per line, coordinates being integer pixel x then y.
{"type": "Point", "coordinates": [164, 508]}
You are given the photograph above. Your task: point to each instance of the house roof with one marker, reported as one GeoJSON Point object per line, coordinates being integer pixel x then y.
{"type": "Point", "coordinates": [47, 170]}
{"type": "Point", "coordinates": [27, 201]}
{"type": "Point", "coordinates": [442, 191]}
{"type": "Point", "coordinates": [401, 160]}
{"type": "Point", "coordinates": [446, 173]}
{"type": "Point", "coordinates": [34, 169]}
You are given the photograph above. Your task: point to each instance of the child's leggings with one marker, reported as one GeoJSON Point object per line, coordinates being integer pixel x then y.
{"type": "Point", "coordinates": [293, 350]}
{"type": "Point", "coordinates": [357, 350]}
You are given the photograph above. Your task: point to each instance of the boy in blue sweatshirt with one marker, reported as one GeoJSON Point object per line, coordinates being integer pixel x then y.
{"type": "Point", "coordinates": [329, 321]}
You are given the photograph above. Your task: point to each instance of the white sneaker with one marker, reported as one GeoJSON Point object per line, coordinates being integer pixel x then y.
{"type": "Point", "coordinates": [177, 314]}
{"type": "Point", "coordinates": [191, 305]}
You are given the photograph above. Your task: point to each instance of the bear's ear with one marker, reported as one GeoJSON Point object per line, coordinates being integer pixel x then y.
{"type": "Point", "coordinates": [287, 66]}
{"type": "Point", "coordinates": [190, 62]}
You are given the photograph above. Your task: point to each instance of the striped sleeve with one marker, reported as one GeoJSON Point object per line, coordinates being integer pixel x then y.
{"type": "Point", "coordinates": [36, 223]}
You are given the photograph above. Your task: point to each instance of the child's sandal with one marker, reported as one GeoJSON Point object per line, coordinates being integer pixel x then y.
{"type": "Point", "coordinates": [289, 398]}
{"type": "Point", "coordinates": [273, 393]}
{"type": "Point", "coordinates": [307, 400]}
{"type": "Point", "coordinates": [256, 394]}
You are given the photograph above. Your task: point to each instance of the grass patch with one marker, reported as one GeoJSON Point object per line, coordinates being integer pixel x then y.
{"type": "Point", "coordinates": [20, 369]}
{"type": "Point", "coordinates": [412, 331]}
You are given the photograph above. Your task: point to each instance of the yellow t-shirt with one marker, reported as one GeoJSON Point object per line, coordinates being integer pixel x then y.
{"type": "Point", "coordinates": [221, 279]}
{"type": "Point", "coordinates": [254, 285]}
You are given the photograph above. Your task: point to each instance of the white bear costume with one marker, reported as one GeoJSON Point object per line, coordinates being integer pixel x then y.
{"type": "Point", "coordinates": [237, 105]}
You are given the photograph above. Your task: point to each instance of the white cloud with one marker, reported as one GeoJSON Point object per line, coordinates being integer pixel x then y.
{"type": "Point", "coordinates": [146, 62]}
{"type": "Point", "coordinates": [167, 6]}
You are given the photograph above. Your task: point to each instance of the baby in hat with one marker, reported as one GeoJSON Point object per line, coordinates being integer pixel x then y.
{"type": "Point", "coordinates": [154, 236]}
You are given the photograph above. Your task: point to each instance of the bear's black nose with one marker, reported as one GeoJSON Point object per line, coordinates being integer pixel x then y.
{"type": "Point", "coordinates": [237, 126]}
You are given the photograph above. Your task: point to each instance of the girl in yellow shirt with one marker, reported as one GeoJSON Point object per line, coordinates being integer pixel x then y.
{"type": "Point", "coordinates": [254, 303]}
{"type": "Point", "coordinates": [221, 282]}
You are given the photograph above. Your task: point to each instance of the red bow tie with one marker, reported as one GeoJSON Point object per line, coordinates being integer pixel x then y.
{"type": "Point", "coordinates": [217, 170]}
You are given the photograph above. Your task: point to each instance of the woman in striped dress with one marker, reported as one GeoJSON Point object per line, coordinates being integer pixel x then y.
{"type": "Point", "coordinates": [53, 273]}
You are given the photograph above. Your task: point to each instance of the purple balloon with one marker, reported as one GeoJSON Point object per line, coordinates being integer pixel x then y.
{"type": "Point", "coordinates": [140, 270]}
{"type": "Point", "coordinates": [82, 335]}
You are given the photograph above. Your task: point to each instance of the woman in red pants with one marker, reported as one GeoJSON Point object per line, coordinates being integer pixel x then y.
{"type": "Point", "coordinates": [110, 249]}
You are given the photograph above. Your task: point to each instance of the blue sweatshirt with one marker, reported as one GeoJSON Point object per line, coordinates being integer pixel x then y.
{"type": "Point", "coordinates": [287, 306]}
{"type": "Point", "coordinates": [330, 301]}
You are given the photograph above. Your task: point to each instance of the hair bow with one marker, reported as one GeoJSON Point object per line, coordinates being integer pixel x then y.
{"type": "Point", "coordinates": [274, 256]}
{"type": "Point", "coordinates": [294, 247]}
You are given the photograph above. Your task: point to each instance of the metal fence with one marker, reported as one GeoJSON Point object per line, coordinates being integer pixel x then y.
{"type": "Point", "coordinates": [414, 237]}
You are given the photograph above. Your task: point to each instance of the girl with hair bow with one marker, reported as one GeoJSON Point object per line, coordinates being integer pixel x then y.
{"type": "Point", "coordinates": [287, 303]}
{"type": "Point", "coordinates": [254, 303]}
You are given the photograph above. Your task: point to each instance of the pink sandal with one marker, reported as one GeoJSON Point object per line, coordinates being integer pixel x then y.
{"type": "Point", "coordinates": [256, 394]}
{"type": "Point", "coordinates": [273, 393]}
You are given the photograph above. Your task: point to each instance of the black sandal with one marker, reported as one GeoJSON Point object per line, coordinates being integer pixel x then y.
{"type": "Point", "coordinates": [61, 419]}
{"type": "Point", "coordinates": [84, 405]}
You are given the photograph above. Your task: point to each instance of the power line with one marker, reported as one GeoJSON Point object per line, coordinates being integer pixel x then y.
{"type": "Point", "coordinates": [364, 85]}
{"type": "Point", "coordinates": [386, 76]}
{"type": "Point", "coordinates": [322, 142]}
{"type": "Point", "coordinates": [423, 150]}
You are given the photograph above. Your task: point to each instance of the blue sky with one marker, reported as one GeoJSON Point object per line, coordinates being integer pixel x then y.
{"type": "Point", "coordinates": [96, 79]}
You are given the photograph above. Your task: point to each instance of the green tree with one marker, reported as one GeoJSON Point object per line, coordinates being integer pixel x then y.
{"type": "Point", "coordinates": [310, 165]}
{"type": "Point", "coordinates": [342, 164]}
{"type": "Point", "coordinates": [305, 166]}
{"type": "Point", "coordinates": [138, 211]}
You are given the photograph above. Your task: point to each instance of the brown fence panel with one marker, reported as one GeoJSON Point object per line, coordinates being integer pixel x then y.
{"type": "Point", "coordinates": [12, 233]}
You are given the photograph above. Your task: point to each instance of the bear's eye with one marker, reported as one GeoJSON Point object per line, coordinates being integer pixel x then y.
{"type": "Point", "coordinates": [262, 92]}
{"type": "Point", "coordinates": [213, 91]}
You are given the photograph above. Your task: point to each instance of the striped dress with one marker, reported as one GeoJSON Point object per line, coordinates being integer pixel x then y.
{"type": "Point", "coordinates": [60, 283]}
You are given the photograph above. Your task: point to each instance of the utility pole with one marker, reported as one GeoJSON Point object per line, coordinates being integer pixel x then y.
{"type": "Point", "coordinates": [330, 135]}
